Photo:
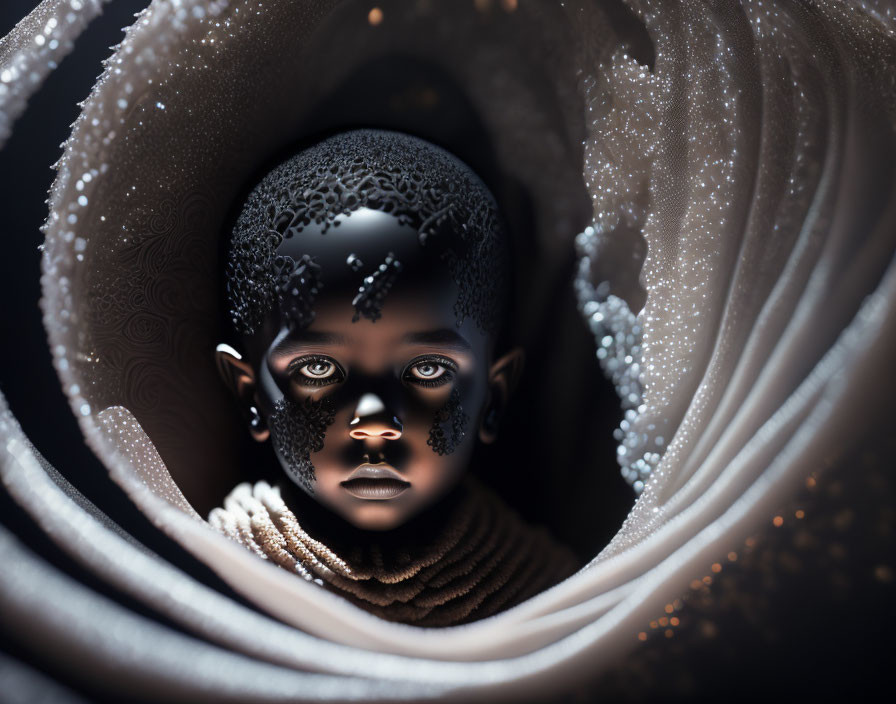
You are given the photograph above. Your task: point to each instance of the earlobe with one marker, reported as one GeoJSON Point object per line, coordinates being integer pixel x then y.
{"type": "Point", "coordinates": [239, 377]}
{"type": "Point", "coordinates": [504, 375]}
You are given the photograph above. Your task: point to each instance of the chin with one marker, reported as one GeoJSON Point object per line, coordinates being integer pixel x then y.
{"type": "Point", "coordinates": [376, 517]}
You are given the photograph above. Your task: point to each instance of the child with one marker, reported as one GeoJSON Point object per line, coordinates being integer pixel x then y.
{"type": "Point", "coordinates": [367, 278]}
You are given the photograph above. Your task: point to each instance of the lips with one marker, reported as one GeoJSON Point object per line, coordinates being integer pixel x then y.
{"type": "Point", "coordinates": [377, 482]}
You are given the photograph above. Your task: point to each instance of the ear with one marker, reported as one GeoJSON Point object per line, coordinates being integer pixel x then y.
{"type": "Point", "coordinates": [239, 377]}
{"type": "Point", "coordinates": [502, 380]}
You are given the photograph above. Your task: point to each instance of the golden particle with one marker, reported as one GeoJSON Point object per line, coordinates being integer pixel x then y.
{"type": "Point", "coordinates": [837, 551]}
{"type": "Point", "coordinates": [843, 519]}
{"type": "Point", "coordinates": [709, 629]}
{"type": "Point", "coordinates": [716, 567]}
{"type": "Point", "coordinates": [778, 521]}
{"type": "Point", "coordinates": [883, 573]}
{"type": "Point", "coordinates": [375, 16]}
{"type": "Point", "coordinates": [642, 636]}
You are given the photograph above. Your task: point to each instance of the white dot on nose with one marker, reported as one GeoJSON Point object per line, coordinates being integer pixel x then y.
{"type": "Point", "coordinates": [368, 404]}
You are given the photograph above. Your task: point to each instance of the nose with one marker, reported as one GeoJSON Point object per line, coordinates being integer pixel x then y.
{"type": "Point", "coordinates": [372, 420]}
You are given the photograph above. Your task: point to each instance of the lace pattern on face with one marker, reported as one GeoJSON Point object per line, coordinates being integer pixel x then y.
{"type": "Point", "coordinates": [297, 430]}
{"type": "Point", "coordinates": [448, 426]}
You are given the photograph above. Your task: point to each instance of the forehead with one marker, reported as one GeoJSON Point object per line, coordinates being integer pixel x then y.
{"type": "Point", "coordinates": [421, 295]}
{"type": "Point", "coordinates": [356, 244]}
{"type": "Point", "coordinates": [406, 322]}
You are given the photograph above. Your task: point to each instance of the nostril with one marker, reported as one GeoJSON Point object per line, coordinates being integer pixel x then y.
{"type": "Point", "coordinates": [363, 433]}
{"type": "Point", "coordinates": [371, 419]}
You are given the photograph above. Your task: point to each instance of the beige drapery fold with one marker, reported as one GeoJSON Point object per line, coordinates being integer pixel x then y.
{"type": "Point", "coordinates": [767, 205]}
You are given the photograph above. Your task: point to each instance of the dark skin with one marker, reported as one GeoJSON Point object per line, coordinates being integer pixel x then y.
{"type": "Point", "coordinates": [409, 393]}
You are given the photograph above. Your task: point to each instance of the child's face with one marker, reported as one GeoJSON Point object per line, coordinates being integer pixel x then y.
{"type": "Point", "coordinates": [376, 419]}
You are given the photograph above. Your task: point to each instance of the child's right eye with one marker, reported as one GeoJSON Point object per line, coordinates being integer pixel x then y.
{"type": "Point", "coordinates": [315, 371]}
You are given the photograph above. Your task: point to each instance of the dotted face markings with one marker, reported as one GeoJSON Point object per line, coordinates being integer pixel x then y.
{"type": "Point", "coordinates": [372, 293]}
{"type": "Point", "coordinates": [298, 286]}
{"type": "Point", "coordinates": [447, 429]}
{"type": "Point", "coordinates": [297, 430]}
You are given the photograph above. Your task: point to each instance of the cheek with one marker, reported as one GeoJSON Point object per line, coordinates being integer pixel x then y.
{"type": "Point", "coordinates": [297, 430]}
{"type": "Point", "coordinates": [449, 426]}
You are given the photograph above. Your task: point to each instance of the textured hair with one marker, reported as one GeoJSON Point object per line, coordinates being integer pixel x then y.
{"type": "Point", "coordinates": [421, 184]}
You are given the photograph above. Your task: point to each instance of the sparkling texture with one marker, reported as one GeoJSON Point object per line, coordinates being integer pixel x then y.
{"type": "Point", "coordinates": [30, 52]}
{"type": "Point", "coordinates": [741, 195]}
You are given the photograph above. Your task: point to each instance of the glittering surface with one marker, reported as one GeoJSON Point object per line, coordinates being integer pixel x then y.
{"type": "Point", "coordinates": [123, 432]}
{"type": "Point", "coordinates": [30, 53]}
{"type": "Point", "coordinates": [618, 335]}
{"type": "Point", "coordinates": [751, 161]}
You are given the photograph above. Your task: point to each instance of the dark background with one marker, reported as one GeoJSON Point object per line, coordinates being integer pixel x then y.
{"type": "Point", "coordinates": [805, 639]}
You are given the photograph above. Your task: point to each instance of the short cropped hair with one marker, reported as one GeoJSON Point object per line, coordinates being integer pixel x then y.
{"type": "Point", "coordinates": [421, 184]}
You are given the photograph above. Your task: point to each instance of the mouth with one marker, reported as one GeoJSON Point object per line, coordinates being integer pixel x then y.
{"type": "Point", "coordinates": [377, 482]}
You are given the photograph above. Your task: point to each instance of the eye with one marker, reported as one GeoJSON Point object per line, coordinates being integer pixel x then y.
{"type": "Point", "coordinates": [430, 371]}
{"type": "Point", "coordinates": [315, 371]}
{"type": "Point", "coordinates": [427, 370]}
{"type": "Point", "coordinates": [318, 370]}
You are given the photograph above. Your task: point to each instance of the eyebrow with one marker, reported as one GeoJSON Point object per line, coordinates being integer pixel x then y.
{"type": "Point", "coordinates": [444, 337]}
{"type": "Point", "coordinates": [306, 337]}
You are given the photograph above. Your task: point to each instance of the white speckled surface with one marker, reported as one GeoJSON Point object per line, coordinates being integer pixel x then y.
{"type": "Point", "coordinates": [754, 162]}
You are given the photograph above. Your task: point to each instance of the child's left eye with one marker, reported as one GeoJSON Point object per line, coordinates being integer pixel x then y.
{"type": "Point", "coordinates": [430, 372]}
{"type": "Point", "coordinates": [318, 369]}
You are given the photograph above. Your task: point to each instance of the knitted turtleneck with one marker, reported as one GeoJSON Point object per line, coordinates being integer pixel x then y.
{"type": "Point", "coordinates": [475, 559]}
